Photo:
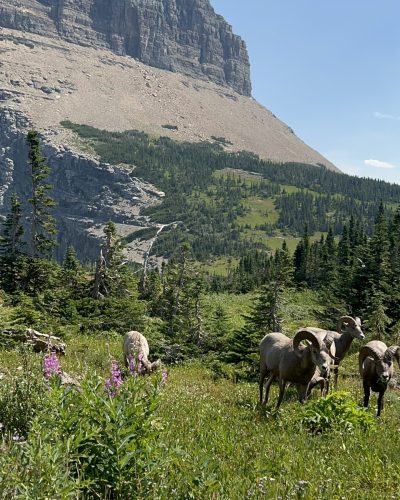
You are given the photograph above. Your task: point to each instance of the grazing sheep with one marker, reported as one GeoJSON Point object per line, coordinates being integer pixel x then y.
{"type": "Point", "coordinates": [136, 343]}
{"type": "Point", "coordinates": [349, 329]}
{"type": "Point", "coordinates": [289, 361]}
{"type": "Point", "coordinates": [376, 369]}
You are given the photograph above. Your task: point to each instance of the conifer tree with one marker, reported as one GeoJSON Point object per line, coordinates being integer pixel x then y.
{"type": "Point", "coordinates": [302, 258]}
{"type": "Point", "coordinates": [11, 239]}
{"type": "Point", "coordinates": [11, 245]}
{"type": "Point", "coordinates": [43, 227]}
{"type": "Point", "coordinates": [72, 274]}
{"type": "Point", "coordinates": [109, 279]}
{"type": "Point", "coordinates": [377, 319]}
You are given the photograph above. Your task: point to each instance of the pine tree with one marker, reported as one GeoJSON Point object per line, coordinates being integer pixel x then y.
{"type": "Point", "coordinates": [11, 239]}
{"type": "Point", "coordinates": [72, 275]}
{"type": "Point", "coordinates": [110, 279]}
{"type": "Point", "coordinates": [12, 263]}
{"type": "Point", "coordinates": [377, 319]}
{"type": "Point", "coordinates": [302, 258]}
{"type": "Point", "coordinates": [43, 227]}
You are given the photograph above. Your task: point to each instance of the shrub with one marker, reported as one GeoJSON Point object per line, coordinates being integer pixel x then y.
{"type": "Point", "coordinates": [336, 411]}
{"type": "Point", "coordinates": [21, 397]}
{"type": "Point", "coordinates": [107, 439]}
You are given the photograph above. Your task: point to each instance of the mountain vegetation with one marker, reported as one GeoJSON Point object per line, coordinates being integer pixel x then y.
{"type": "Point", "coordinates": [201, 433]}
{"type": "Point", "coordinates": [230, 203]}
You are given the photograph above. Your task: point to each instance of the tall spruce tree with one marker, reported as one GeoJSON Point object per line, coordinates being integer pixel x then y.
{"type": "Point", "coordinates": [11, 246]}
{"type": "Point", "coordinates": [302, 258]}
{"type": "Point", "coordinates": [109, 278]}
{"type": "Point", "coordinates": [43, 228]}
{"type": "Point", "coordinates": [11, 243]}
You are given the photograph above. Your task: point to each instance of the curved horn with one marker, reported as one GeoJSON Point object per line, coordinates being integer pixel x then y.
{"type": "Point", "coordinates": [346, 319]}
{"type": "Point", "coordinates": [330, 344]}
{"type": "Point", "coordinates": [368, 351]}
{"type": "Point", "coordinates": [392, 352]}
{"type": "Point", "coordinates": [305, 334]}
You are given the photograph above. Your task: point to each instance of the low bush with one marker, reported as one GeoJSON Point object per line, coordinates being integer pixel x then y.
{"type": "Point", "coordinates": [98, 439]}
{"type": "Point", "coordinates": [336, 411]}
{"type": "Point", "coordinates": [22, 394]}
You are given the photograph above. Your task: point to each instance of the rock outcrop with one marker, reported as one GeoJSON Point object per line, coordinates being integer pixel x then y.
{"type": "Point", "coordinates": [184, 36]}
{"type": "Point", "coordinates": [88, 193]}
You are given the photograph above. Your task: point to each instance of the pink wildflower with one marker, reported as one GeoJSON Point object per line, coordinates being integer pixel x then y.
{"type": "Point", "coordinates": [132, 367]}
{"type": "Point", "coordinates": [164, 378]}
{"type": "Point", "coordinates": [115, 381]}
{"type": "Point", "coordinates": [51, 366]}
{"type": "Point", "coordinates": [140, 362]}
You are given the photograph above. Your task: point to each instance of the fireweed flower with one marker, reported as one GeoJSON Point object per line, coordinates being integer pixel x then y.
{"type": "Point", "coordinates": [115, 381]}
{"type": "Point", "coordinates": [132, 367]}
{"type": "Point", "coordinates": [51, 366]}
{"type": "Point", "coordinates": [140, 363]}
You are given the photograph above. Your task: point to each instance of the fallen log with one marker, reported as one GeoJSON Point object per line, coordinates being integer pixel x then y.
{"type": "Point", "coordinates": [40, 342]}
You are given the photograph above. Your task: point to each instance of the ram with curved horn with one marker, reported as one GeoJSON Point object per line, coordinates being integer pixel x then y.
{"type": "Point", "coordinates": [348, 329]}
{"type": "Point", "coordinates": [376, 369]}
{"type": "Point", "coordinates": [289, 361]}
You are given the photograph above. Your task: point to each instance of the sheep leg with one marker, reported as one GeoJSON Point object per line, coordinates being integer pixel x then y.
{"type": "Point", "coordinates": [263, 374]}
{"type": "Point", "coordinates": [282, 387]}
{"type": "Point", "coordinates": [327, 382]}
{"type": "Point", "coordinates": [268, 386]}
{"type": "Point", "coordinates": [303, 392]}
{"type": "Point", "coordinates": [380, 403]}
{"type": "Point", "coordinates": [367, 392]}
{"type": "Point", "coordinates": [336, 375]}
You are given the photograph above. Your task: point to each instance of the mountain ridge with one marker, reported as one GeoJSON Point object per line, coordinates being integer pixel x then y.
{"type": "Point", "coordinates": [177, 35]}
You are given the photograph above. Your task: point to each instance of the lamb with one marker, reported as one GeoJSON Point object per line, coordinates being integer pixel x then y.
{"type": "Point", "coordinates": [136, 343]}
{"type": "Point", "coordinates": [286, 359]}
{"type": "Point", "coordinates": [376, 369]}
{"type": "Point", "coordinates": [349, 329]}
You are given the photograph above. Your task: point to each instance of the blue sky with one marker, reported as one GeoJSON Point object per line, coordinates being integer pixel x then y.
{"type": "Point", "coordinates": [331, 71]}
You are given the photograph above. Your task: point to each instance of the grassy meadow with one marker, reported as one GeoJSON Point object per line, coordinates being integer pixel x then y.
{"type": "Point", "coordinates": [215, 442]}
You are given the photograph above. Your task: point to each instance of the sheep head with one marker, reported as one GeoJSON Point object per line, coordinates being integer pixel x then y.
{"type": "Point", "coordinates": [352, 326]}
{"type": "Point", "coordinates": [320, 353]}
{"type": "Point", "coordinates": [383, 361]}
{"type": "Point", "coordinates": [155, 365]}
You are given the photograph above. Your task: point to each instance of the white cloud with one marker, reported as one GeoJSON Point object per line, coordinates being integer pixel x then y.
{"type": "Point", "coordinates": [378, 164]}
{"type": "Point", "coordinates": [385, 116]}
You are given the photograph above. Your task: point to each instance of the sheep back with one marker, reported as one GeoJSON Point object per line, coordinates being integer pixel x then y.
{"type": "Point", "coordinates": [135, 343]}
{"type": "Point", "coordinates": [279, 357]}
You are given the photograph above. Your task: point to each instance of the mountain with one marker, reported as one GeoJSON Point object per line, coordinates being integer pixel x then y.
{"type": "Point", "coordinates": [183, 36]}
{"type": "Point", "coordinates": [166, 67]}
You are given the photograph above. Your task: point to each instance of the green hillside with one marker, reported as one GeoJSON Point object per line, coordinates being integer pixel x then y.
{"type": "Point", "coordinates": [231, 203]}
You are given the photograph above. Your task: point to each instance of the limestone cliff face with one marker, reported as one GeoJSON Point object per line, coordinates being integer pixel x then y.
{"type": "Point", "coordinates": [88, 193]}
{"type": "Point", "coordinates": [184, 36]}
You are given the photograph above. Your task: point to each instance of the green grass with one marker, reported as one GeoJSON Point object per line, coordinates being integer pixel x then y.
{"type": "Point", "coordinates": [248, 177]}
{"type": "Point", "coordinates": [220, 266]}
{"type": "Point", "coordinates": [260, 211]}
{"type": "Point", "coordinates": [224, 446]}
{"type": "Point", "coordinates": [218, 444]}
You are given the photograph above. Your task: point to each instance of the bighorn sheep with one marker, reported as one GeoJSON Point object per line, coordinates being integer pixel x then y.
{"type": "Point", "coordinates": [376, 368]}
{"type": "Point", "coordinates": [286, 359]}
{"type": "Point", "coordinates": [349, 329]}
{"type": "Point", "coordinates": [136, 343]}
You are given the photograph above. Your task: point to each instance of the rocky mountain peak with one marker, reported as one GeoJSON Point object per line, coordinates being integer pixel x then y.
{"type": "Point", "coordinates": [184, 36]}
